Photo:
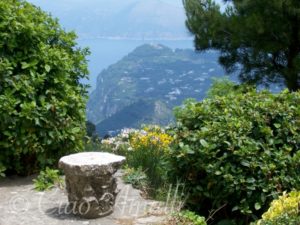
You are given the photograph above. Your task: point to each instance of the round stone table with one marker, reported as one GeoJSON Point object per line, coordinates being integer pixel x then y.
{"type": "Point", "coordinates": [90, 183]}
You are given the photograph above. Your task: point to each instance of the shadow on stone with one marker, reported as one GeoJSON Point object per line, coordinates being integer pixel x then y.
{"type": "Point", "coordinates": [62, 212]}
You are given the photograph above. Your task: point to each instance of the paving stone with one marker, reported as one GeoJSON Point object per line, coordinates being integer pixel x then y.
{"type": "Point", "coordinates": [20, 204]}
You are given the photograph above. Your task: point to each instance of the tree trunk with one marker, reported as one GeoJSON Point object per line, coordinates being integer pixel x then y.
{"type": "Point", "coordinates": [292, 77]}
{"type": "Point", "coordinates": [291, 74]}
{"type": "Point", "coordinates": [292, 80]}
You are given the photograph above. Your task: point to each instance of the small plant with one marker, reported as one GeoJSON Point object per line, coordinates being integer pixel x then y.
{"type": "Point", "coordinates": [47, 179]}
{"type": "Point", "coordinates": [2, 169]}
{"type": "Point", "coordinates": [186, 218]}
{"type": "Point", "coordinates": [136, 177]}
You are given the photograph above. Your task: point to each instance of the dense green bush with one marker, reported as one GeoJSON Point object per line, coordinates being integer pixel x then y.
{"type": "Point", "coordinates": [237, 152]}
{"type": "Point", "coordinates": [42, 103]}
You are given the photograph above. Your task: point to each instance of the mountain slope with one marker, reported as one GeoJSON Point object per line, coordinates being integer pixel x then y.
{"type": "Point", "coordinates": [134, 115]}
{"type": "Point", "coordinates": [152, 73]}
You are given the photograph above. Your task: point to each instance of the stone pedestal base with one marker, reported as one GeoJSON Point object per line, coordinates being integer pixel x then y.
{"type": "Point", "coordinates": [90, 183]}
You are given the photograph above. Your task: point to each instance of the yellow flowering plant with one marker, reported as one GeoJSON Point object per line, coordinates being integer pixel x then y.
{"type": "Point", "coordinates": [149, 147]}
{"type": "Point", "coordinates": [284, 210]}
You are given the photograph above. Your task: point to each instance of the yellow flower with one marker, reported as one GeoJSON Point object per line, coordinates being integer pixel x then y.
{"type": "Point", "coordinates": [151, 138]}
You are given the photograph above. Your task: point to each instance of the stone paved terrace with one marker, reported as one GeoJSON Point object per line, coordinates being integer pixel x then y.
{"type": "Point", "coordinates": [20, 204]}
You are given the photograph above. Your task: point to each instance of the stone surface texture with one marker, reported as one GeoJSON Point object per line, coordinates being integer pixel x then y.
{"type": "Point", "coordinates": [90, 182]}
{"type": "Point", "coordinates": [20, 204]}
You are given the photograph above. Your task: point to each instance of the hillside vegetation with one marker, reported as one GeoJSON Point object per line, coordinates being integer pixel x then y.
{"type": "Point", "coordinates": [151, 73]}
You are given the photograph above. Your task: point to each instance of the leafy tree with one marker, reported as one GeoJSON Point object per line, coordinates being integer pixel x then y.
{"type": "Point", "coordinates": [42, 103]}
{"type": "Point", "coordinates": [258, 38]}
{"type": "Point", "coordinates": [222, 86]}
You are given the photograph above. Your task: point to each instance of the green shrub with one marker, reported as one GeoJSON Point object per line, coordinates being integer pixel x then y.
{"type": "Point", "coordinates": [47, 179]}
{"type": "Point", "coordinates": [136, 177]}
{"type": "Point", "coordinates": [186, 218]}
{"type": "Point", "coordinates": [237, 150]}
{"type": "Point", "coordinates": [283, 211]}
{"type": "Point", "coordinates": [42, 103]}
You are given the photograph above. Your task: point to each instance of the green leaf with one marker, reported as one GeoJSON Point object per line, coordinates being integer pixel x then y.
{"type": "Point", "coordinates": [204, 143]}
{"type": "Point", "coordinates": [7, 133]}
{"type": "Point", "coordinates": [190, 151]}
{"type": "Point", "coordinates": [24, 65]}
{"type": "Point", "coordinates": [277, 125]}
{"type": "Point", "coordinates": [181, 144]}
{"type": "Point", "coordinates": [235, 208]}
{"type": "Point", "coordinates": [218, 172]}
{"type": "Point", "coordinates": [47, 68]}
{"type": "Point", "coordinates": [257, 206]}
{"type": "Point", "coordinates": [75, 130]}
{"type": "Point", "coordinates": [245, 163]}
{"type": "Point", "coordinates": [250, 180]}
{"type": "Point", "coordinates": [228, 143]}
